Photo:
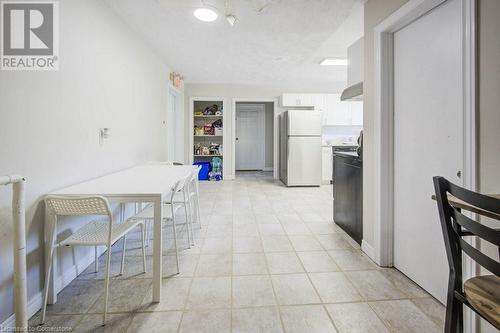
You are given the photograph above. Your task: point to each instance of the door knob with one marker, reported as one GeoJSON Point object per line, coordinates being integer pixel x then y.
{"type": "Point", "coordinates": [459, 174]}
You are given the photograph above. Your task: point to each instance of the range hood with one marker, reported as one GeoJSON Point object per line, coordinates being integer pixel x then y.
{"type": "Point", "coordinates": [353, 93]}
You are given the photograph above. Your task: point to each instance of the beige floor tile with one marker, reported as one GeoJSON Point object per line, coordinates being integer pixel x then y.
{"type": "Point", "coordinates": [355, 318]}
{"type": "Point", "coordinates": [276, 244]}
{"type": "Point", "coordinates": [210, 293]}
{"type": "Point", "coordinates": [155, 322]}
{"type": "Point", "coordinates": [305, 243]}
{"type": "Point", "coordinates": [256, 320]}
{"type": "Point", "coordinates": [115, 323]}
{"type": "Point", "coordinates": [433, 309]}
{"type": "Point", "coordinates": [266, 219]}
{"type": "Point", "coordinates": [55, 323]}
{"type": "Point", "coordinates": [124, 296]}
{"type": "Point", "coordinates": [78, 297]}
{"type": "Point", "coordinates": [245, 218]}
{"type": "Point", "coordinates": [294, 289]}
{"type": "Point", "coordinates": [271, 229]}
{"type": "Point", "coordinates": [206, 322]}
{"type": "Point", "coordinates": [249, 263]}
{"type": "Point", "coordinates": [246, 230]}
{"type": "Point", "coordinates": [317, 261]}
{"type": "Point", "coordinates": [296, 229]}
{"type": "Point", "coordinates": [306, 318]}
{"type": "Point", "coordinates": [187, 265]}
{"type": "Point", "coordinates": [247, 245]}
{"type": "Point", "coordinates": [311, 217]}
{"type": "Point", "coordinates": [289, 218]}
{"type": "Point", "coordinates": [373, 285]}
{"type": "Point", "coordinates": [219, 231]}
{"type": "Point", "coordinates": [322, 228]}
{"type": "Point", "coordinates": [403, 283]}
{"type": "Point", "coordinates": [334, 287]}
{"type": "Point", "coordinates": [349, 260]}
{"type": "Point", "coordinates": [217, 245]}
{"type": "Point", "coordinates": [255, 290]}
{"type": "Point", "coordinates": [174, 293]}
{"type": "Point", "coordinates": [214, 265]}
{"type": "Point", "coordinates": [283, 262]}
{"type": "Point", "coordinates": [404, 316]}
{"type": "Point", "coordinates": [333, 242]}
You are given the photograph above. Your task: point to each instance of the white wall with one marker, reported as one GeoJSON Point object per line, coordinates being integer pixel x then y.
{"type": "Point", "coordinates": [375, 12]}
{"type": "Point", "coordinates": [49, 122]}
{"type": "Point", "coordinates": [229, 91]}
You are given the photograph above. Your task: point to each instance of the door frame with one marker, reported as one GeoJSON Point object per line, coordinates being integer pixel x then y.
{"type": "Point", "coordinates": [178, 136]}
{"type": "Point", "coordinates": [261, 110]}
{"type": "Point", "coordinates": [275, 131]}
{"type": "Point", "coordinates": [382, 249]}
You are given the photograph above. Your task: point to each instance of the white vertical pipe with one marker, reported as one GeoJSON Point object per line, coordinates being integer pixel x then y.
{"type": "Point", "coordinates": [19, 220]}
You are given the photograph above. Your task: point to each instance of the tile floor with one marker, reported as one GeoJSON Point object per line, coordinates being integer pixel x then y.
{"type": "Point", "coordinates": [267, 259]}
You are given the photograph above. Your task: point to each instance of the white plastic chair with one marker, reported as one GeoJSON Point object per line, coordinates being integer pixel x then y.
{"type": "Point", "coordinates": [147, 215]}
{"type": "Point", "coordinates": [94, 233]}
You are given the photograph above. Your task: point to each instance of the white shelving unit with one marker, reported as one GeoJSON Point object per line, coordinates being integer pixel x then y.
{"type": "Point", "coordinates": [197, 105]}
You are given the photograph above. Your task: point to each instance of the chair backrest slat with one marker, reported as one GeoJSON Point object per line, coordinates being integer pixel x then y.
{"type": "Point", "coordinates": [479, 257]}
{"type": "Point", "coordinates": [491, 235]}
{"type": "Point", "coordinates": [452, 222]}
{"type": "Point", "coordinates": [72, 206]}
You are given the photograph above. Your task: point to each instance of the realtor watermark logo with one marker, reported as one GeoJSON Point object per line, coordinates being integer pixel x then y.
{"type": "Point", "coordinates": [29, 35]}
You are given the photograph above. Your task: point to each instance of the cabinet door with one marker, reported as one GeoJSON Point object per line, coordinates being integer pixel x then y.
{"type": "Point", "coordinates": [356, 113]}
{"type": "Point", "coordinates": [338, 111]}
{"type": "Point", "coordinates": [289, 100]}
{"type": "Point", "coordinates": [327, 159]}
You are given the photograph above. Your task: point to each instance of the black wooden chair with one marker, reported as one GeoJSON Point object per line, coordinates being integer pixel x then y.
{"type": "Point", "coordinates": [481, 293]}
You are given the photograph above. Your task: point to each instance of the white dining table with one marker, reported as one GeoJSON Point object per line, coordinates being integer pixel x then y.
{"type": "Point", "coordinates": [150, 183]}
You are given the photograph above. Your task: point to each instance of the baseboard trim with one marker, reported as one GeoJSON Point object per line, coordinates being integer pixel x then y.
{"type": "Point", "coordinates": [36, 302]}
{"type": "Point", "coordinates": [34, 305]}
{"type": "Point", "coordinates": [368, 250]}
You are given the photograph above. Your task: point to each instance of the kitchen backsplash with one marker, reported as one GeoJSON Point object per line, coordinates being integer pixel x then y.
{"type": "Point", "coordinates": [340, 135]}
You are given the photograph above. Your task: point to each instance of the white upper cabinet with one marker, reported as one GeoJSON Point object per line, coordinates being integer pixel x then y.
{"type": "Point", "coordinates": [335, 112]}
{"type": "Point", "coordinates": [297, 100]}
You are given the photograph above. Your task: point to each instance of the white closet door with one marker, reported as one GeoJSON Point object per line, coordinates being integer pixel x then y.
{"type": "Point", "coordinates": [250, 137]}
{"type": "Point", "coordinates": [428, 125]}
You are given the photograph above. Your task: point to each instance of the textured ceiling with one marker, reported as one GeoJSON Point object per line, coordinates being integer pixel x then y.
{"type": "Point", "coordinates": [278, 47]}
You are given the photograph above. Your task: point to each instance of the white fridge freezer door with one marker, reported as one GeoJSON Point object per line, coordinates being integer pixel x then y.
{"type": "Point", "coordinates": [303, 122]}
{"type": "Point", "coordinates": [304, 161]}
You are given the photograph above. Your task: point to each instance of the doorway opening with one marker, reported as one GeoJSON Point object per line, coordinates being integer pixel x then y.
{"type": "Point", "coordinates": [254, 137]}
{"type": "Point", "coordinates": [174, 125]}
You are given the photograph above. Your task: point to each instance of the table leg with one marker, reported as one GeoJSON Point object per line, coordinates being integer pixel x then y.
{"type": "Point", "coordinates": [157, 249]}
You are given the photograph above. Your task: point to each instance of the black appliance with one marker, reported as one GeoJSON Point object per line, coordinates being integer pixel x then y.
{"type": "Point", "coordinates": [348, 193]}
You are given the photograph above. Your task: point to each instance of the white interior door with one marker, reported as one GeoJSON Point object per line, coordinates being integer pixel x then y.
{"type": "Point", "coordinates": [428, 138]}
{"type": "Point", "coordinates": [250, 137]}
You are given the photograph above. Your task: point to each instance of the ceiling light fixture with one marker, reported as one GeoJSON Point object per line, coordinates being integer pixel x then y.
{"type": "Point", "coordinates": [205, 14]}
{"type": "Point", "coordinates": [231, 19]}
{"type": "Point", "coordinates": [334, 62]}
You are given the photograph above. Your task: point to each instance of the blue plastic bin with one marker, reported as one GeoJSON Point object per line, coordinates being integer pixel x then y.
{"type": "Point", "coordinates": [205, 169]}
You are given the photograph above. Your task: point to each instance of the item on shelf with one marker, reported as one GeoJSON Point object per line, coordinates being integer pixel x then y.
{"type": "Point", "coordinates": [217, 123]}
{"type": "Point", "coordinates": [214, 148]}
{"type": "Point", "coordinates": [218, 113]}
{"type": "Point", "coordinates": [218, 131]}
{"type": "Point", "coordinates": [205, 170]}
{"type": "Point", "coordinates": [205, 150]}
{"type": "Point", "coordinates": [216, 173]}
{"type": "Point", "coordinates": [198, 113]}
{"type": "Point", "coordinates": [198, 130]}
{"type": "Point", "coordinates": [211, 110]}
{"type": "Point", "coordinates": [198, 149]}
{"type": "Point", "coordinates": [208, 129]}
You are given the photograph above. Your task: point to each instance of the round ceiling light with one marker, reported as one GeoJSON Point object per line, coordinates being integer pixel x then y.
{"type": "Point", "coordinates": [205, 14]}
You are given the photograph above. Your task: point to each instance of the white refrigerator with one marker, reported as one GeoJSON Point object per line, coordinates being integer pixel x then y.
{"type": "Point", "coordinates": [300, 148]}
